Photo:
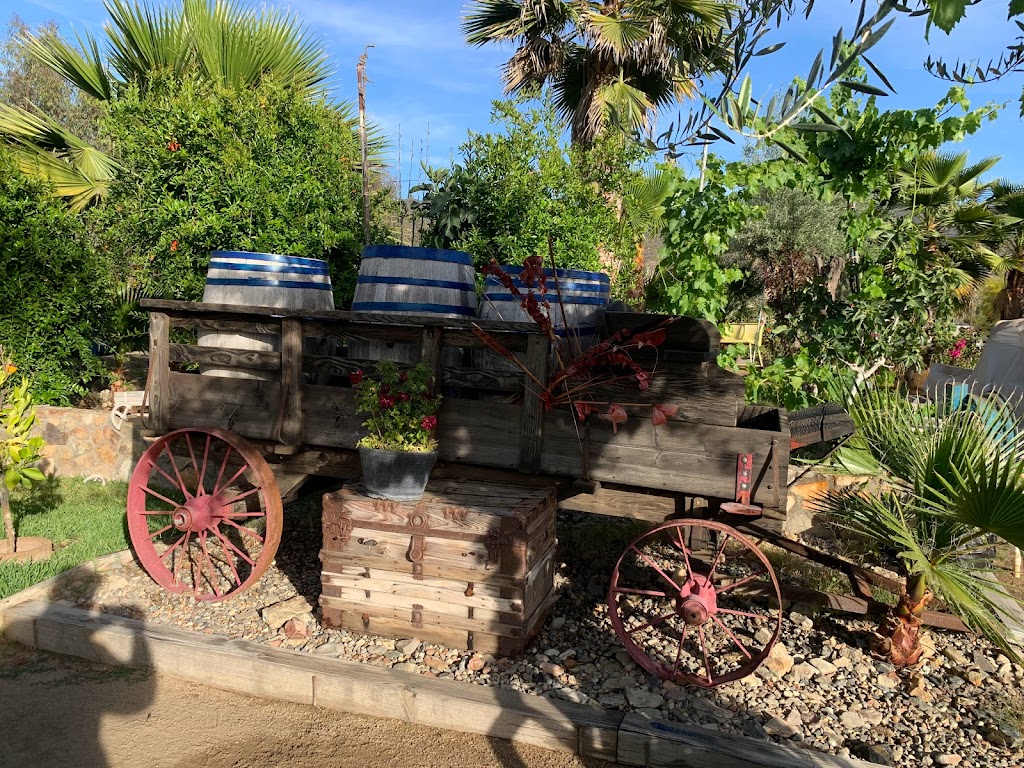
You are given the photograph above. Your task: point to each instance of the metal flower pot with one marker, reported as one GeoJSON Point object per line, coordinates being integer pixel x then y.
{"type": "Point", "coordinates": [395, 475]}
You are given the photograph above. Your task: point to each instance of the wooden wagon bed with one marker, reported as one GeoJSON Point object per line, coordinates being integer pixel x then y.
{"type": "Point", "coordinates": [303, 409]}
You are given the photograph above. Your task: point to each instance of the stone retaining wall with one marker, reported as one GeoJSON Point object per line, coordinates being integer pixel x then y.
{"type": "Point", "coordinates": [83, 443]}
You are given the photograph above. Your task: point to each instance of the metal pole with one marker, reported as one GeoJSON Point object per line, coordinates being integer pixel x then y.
{"type": "Point", "coordinates": [361, 81]}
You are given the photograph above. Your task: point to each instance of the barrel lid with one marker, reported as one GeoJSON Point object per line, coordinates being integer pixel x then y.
{"type": "Point", "coordinates": [410, 252]}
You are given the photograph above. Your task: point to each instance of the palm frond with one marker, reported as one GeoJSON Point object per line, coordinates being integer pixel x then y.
{"type": "Point", "coordinates": [82, 67]}
{"type": "Point", "coordinates": [617, 35]}
{"type": "Point", "coordinates": [143, 41]}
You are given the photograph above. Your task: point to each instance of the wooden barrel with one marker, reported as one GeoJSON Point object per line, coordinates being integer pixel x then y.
{"type": "Point", "coordinates": [402, 280]}
{"type": "Point", "coordinates": [262, 280]}
{"type": "Point", "coordinates": [576, 319]}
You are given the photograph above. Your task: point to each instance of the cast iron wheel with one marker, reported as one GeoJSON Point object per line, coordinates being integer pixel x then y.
{"type": "Point", "coordinates": [204, 513]}
{"type": "Point", "coordinates": [703, 618]}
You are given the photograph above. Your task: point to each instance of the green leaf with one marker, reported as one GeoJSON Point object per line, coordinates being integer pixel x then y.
{"type": "Point", "coordinates": [873, 90]}
{"type": "Point", "coordinates": [1016, 8]}
{"type": "Point", "coordinates": [12, 478]}
{"type": "Point", "coordinates": [33, 474]}
{"type": "Point", "coordinates": [946, 14]}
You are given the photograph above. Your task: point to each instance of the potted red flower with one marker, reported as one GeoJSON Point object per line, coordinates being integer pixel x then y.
{"type": "Point", "coordinates": [399, 449]}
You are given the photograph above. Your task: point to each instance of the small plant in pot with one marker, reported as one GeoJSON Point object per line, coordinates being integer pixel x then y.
{"type": "Point", "coordinates": [399, 450]}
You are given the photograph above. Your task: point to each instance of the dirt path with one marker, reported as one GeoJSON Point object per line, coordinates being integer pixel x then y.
{"type": "Point", "coordinates": [60, 711]}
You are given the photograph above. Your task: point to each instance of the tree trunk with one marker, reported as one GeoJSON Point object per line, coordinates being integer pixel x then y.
{"type": "Point", "coordinates": [900, 635]}
{"type": "Point", "coordinates": [5, 504]}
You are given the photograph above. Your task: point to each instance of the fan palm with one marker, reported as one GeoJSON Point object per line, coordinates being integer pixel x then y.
{"type": "Point", "coordinates": [948, 481]}
{"type": "Point", "coordinates": [616, 60]}
{"type": "Point", "coordinates": [223, 42]}
{"type": "Point", "coordinates": [943, 199]}
{"type": "Point", "coordinates": [1008, 199]}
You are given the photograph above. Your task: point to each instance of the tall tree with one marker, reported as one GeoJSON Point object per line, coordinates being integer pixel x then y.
{"type": "Point", "coordinates": [943, 199]}
{"type": "Point", "coordinates": [616, 60]}
{"type": "Point", "coordinates": [219, 41]}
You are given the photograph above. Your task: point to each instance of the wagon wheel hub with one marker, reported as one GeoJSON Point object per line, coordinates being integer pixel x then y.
{"type": "Point", "coordinates": [196, 514]}
{"type": "Point", "coordinates": [696, 602]}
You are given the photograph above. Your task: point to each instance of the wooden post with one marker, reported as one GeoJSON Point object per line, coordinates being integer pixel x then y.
{"type": "Point", "coordinates": [538, 350]}
{"type": "Point", "coordinates": [430, 352]}
{"type": "Point", "coordinates": [290, 415]}
{"type": "Point", "coordinates": [160, 370]}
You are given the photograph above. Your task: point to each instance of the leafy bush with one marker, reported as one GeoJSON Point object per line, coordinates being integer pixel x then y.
{"type": "Point", "coordinates": [516, 189]}
{"type": "Point", "coordinates": [51, 291]}
{"type": "Point", "coordinates": [202, 168]}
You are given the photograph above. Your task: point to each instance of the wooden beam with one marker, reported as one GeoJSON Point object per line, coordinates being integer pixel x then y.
{"type": "Point", "coordinates": [159, 362]}
{"type": "Point", "coordinates": [431, 340]}
{"type": "Point", "coordinates": [290, 414]}
{"type": "Point", "coordinates": [531, 433]}
{"type": "Point", "coordinates": [220, 356]}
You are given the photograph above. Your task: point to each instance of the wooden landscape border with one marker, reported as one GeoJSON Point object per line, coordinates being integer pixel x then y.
{"type": "Point", "coordinates": [259, 670]}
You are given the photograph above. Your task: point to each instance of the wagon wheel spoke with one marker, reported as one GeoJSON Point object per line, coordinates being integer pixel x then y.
{"type": "Point", "coordinates": [195, 466]}
{"type": "Point", "coordinates": [652, 624]}
{"type": "Point", "coordinates": [643, 592]}
{"type": "Point", "coordinates": [656, 567]}
{"type": "Point", "coordinates": [704, 651]}
{"type": "Point", "coordinates": [177, 472]}
{"type": "Point", "coordinates": [679, 651]}
{"type": "Point", "coordinates": [732, 637]}
{"type": "Point", "coordinates": [162, 498]}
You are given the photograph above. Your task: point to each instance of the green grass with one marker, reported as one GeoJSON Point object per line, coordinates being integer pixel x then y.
{"type": "Point", "coordinates": [83, 520]}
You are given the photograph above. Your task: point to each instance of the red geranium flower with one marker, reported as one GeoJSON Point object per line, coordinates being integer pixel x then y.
{"type": "Point", "coordinates": [174, 245]}
{"type": "Point", "coordinates": [402, 397]}
{"type": "Point", "coordinates": [429, 422]}
{"type": "Point", "coordinates": [386, 402]}
{"type": "Point", "coordinates": [355, 377]}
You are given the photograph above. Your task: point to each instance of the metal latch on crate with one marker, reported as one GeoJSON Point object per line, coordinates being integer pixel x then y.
{"type": "Point", "coordinates": [419, 522]}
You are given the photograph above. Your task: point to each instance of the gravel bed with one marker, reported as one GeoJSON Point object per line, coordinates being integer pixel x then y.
{"type": "Point", "coordinates": [820, 688]}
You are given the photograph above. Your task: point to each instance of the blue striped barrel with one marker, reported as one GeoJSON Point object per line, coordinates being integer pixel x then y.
{"type": "Point", "coordinates": [262, 280]}
{"type": "Point", "coordinates": [403, 280]}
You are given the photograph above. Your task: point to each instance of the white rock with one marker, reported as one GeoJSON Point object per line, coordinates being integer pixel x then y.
{"type": "Point", "coordinates": [277, 614]}
{"type": "Point", "coordinates": [643, 698]}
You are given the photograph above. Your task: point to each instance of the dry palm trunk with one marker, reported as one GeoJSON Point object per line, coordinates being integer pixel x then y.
{"type": "Point", "coordinates": [900, 635]}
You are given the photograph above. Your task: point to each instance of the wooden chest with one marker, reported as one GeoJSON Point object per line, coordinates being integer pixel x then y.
{"type": "Point", "coordinates": [470, 565]}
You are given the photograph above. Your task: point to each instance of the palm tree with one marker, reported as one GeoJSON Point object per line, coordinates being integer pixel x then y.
{"type": "Point", "coordinates": [1008, 199]}
{"type": "Point", "coordinates": [611, 61]}
{"type": "Point", "coordinates": [223, 42]}
{"type": "Point", "coordinates": [948, 480]}
{"type": "Point", "coordinates": [943, 201]}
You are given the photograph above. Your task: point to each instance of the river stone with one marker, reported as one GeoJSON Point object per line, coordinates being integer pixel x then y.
{"type": "Point", "coordinates": [779, 661]}
{"type": "Point", "coordinates": [277, 614]}
{"type": "Point", "coordinates": [643, 698]}
{"type": "Point", "coordinates": [779, 727]}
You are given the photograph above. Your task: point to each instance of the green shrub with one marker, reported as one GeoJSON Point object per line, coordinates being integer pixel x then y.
{"type": "Point", "coordinates": [203, 169]}
{"type": "Point", "coordinates": [51, 293]}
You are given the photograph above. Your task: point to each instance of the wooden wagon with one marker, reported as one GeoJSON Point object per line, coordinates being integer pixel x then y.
{"type": "Point", "coordinates": [693, 599]}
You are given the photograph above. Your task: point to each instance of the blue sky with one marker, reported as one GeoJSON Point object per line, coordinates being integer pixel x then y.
{"type": "Point", "coordinates": [430, 87]}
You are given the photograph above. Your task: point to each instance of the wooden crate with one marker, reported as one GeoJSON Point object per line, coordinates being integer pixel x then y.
{"type": "Point", "coordinates": [470, 565]}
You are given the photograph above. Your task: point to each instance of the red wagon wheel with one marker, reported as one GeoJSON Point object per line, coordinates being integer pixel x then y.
{"type": "Point", "coordinates": [204, 513]}
{"type": "Point", "coordinates": [703, 618]}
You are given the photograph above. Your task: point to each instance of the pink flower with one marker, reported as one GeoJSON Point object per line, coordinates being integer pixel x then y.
{"type": "Point", "coordinates": [355, 377]}
{"type": "Point", "coordinates": [429, 422]}
{"type": "Point", "coordinates": [386, 402]}
{"type": "Point", "coordinates": [660, 414]}
{"type": "Point", "coordinates": [616, 415]}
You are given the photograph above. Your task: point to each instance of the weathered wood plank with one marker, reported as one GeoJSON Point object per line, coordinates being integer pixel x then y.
{"type": "Point", "coordinates": [658, 744]}
{"type": "Point", "coordinates": [613, 503]}
{"type": "Point", "coordinates": [531, 429]}
{"type": "Point", "coordinates": [289, 423]}
{"type": "Point", "coordinates": [246, 406]}
{"type": "Point", "coordinates": [160, 405]}
{"type": "Point", "coordinates": [223, 357]}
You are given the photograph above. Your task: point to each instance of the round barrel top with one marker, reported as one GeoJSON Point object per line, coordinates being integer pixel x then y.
{"type": "Point", "coordinates": [410, 252]}
{"type": "Point", "coordinates": [266, 262]}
